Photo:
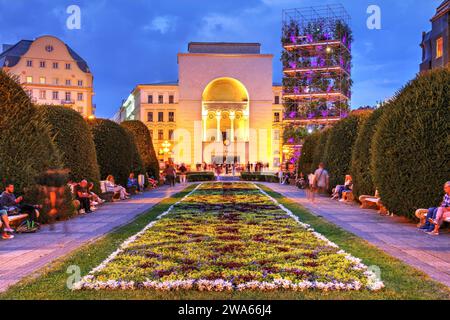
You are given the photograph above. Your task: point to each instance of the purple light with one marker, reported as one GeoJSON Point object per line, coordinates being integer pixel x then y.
{"type": "Point", "coordinates": [291, 140]}
{"type": "Point", "coordinates": [293, 65]}
{"type": "Point", "coordinates": [309, 38]}
{"type": "Point", "coordinates": [344, 115]}
{"type": "Point", "coordinates": [330, 87]}
{"type": "Point", "coordinates": [314, 62]}
{"type": "Point", "coordinates": [344, 39]}
{"type": "Point", "coordinates": [296, 90]}
{"type": "Point", "coordinates": [311, 115]}
{"type": "Point", "coordinates": [325, 113]}
{"type": "Point", "coordinates": [292, 114]}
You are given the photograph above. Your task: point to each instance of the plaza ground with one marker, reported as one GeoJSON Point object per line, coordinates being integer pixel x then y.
{"type": "Point", "coordinates": [91, 235]}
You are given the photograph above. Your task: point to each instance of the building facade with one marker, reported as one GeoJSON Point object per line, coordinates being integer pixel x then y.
{"type": "Point", "coordinates": [435, 43]}
{"type": "Point", "coordinates": [51, 73]}
{"type": "Point", "coordinates": [223, 109]}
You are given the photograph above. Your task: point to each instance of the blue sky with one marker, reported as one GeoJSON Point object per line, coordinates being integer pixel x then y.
{"type": "Point", "coordinates": [127, 42]}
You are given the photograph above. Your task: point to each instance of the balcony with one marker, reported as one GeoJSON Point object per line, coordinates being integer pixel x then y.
{"type": "Point", "coordinates": [314, 46]}
{"type": "Point", "coordinates": [67, 102]}
{"type": "Point", "coordinates": [330, 96]}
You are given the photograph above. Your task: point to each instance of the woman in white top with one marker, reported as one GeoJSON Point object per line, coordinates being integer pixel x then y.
{"type": "Point", "coordinates": [111, 186]}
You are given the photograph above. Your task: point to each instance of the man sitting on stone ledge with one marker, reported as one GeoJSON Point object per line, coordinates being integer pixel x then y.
{"type": "Point", "coordinates": [436, 216]}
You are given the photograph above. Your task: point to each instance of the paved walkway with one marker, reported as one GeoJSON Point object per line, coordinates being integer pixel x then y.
{"type": "Point", "coordinates": [28, 253]}
{"type": "Point", "coordinates": [394, 235]}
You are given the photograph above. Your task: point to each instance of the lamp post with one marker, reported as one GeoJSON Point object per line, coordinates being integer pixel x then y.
{"type": "Point", "coordinates": [165, 148]}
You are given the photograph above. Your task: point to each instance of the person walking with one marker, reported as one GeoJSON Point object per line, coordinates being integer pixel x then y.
{"type": "Point", "coordinates": [170, 175]}
{"type": "Point", "coordinates": [321, 181]}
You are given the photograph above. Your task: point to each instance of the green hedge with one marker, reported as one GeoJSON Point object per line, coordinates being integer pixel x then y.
{"type": "Point", "coordinates": [200, 176]}
{"type": "Point", "coordinates": [115, 152]}
{"type": "Point", "coordinates": [247, 176]}
{"type": "Point", "coordinates": [338, 150]}
{"type": "Point", "coordinates": [75, 142]}
{"type": "Point", "coordinates": [137, 165]}
{"type": "Point", "coordinates": [319, 150]}
{"type": "Point", "coordinates": [361, 156]}
{"type": "Point", "coordinates": [306, 161]}
{"type": "Point", "coordinates": [411, 147]}
{"type": "Point", "coordinates": [144, 144]}
{"type": "Point", "coordinates": [26, 145]}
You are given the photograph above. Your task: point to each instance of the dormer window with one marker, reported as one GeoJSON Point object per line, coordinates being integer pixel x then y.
{"type": "Point", "coordinates": [49, 48]}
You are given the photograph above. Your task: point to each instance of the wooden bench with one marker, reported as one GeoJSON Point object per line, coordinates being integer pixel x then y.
{"type": "Point", "coordinates": [348, 196]}
{"type": "Point", "coordinates": [421, 214]}
{"type": "Point", "coordinates": [17, 219]}
{"type": "Point", "coordinates": [108, 196]}
{"type": "Point", "coordinates": [368, 202]}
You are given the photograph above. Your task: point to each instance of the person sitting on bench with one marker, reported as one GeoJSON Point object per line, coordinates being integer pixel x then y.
{"type": "Point", "coordinates": [436, 216]}
{"type": "Point", "coordinates": [7, 229]}
{"type": "Point", "coordinates": [9, 200]}
{"type": "Point", "coordinates": [340, 189]}
{"type": "Point", "coordinates": [82, 194]}
{"type": "Point", "coordinates": [111, 186]}
{"type": "Point", "coordinates": [132, 182]}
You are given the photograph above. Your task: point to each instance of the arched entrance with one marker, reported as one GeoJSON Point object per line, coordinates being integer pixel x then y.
{"type": "Point", "coordinates": [225, 111]}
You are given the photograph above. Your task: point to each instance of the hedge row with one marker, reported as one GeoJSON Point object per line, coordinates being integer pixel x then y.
{"type": "Point", "coordinates": [35, 139]}
{"type": "Point", "coordinates": [401, 149]}
{"type": "Point", "coordinates": [247, 176]}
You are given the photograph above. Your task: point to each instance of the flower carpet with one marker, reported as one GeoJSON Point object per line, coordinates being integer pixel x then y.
{"type": "Point", "coordinates": [229, 237]}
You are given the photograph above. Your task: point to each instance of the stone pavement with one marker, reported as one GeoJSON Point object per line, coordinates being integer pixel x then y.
{"type": "Point", "coordinates": [27, 253]}
{"type": "Point", "coordinates": [394, 235]}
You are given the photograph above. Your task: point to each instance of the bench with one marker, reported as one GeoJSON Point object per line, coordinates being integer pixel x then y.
{"type": "Point", "coordinates": [421, 214]}
{"type": "Point", "coordinates": [17, 219]}
{"type": "Point", "coordinates": [348, 196]}
{"type": "Point", "coordinates": [368, 202]}
{"type": "Point", "coordinates": [108, 196]}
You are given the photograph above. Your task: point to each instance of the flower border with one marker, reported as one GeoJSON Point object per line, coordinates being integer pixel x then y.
{"type": "Point", "coordinates": [88, 282]}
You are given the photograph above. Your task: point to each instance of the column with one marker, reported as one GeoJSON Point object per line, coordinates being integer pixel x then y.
{"type": "Point", "coordinates": [246, 127]}
{"type": "Point", "coordinates": [232, 117]}
{"type": "Point", "coordinates": [204, 120]}
{"type": "Point", "coordinates": [219, 132]}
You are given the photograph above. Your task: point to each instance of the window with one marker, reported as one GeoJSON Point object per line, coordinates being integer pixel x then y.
{"type": "Point", "coordinates": [55, 95]}
{"type": "Point", "coordinates": [171, 99]}
{"type": "Point", "coordinates": [80, 83]}
{"type": "Point", "coordinates": [80, 96]}
{"type": "Point", "coordinates": [55, 81]}
{"type": "Point", "coordinates": [277, 99]}
{"type": "Point", "coordinates": [160, 99]}
{"type": "Point", "coordinates": [42, 80]}
{"type": "Point", "coordinates": [149, 116]}
{"type": "Point", "coordinates": [68, 66]}
{"type": "Point", "coordinates": [276, 135]}
{"type": "Point", "coordinates": [68, 82]}
{"type": "Point", "coordinates": [55, 65]}
{"type": "Point", "coordinates": [68, 96]}
{"type": "Point", "coordinates": [439, 47]}
{"type": "Point", "coordinates": [150, 99]}
{"type": "Point", "coordinates": [160, 134]}
{"type": "Point", "coordinates": [171, 134]}
{"type": "Point", "coordinates": [29, 79]}
{"type": "Point", "coordinates": [29, 63]}
{"type": "Point", "coordinates": [276, 117]}
{"type": "Point", "coordinates": [43, 95]}
{"type": "Point", "coordinates": [160, 116]}
{"type": "Point", "coordinates": [42, 64]}
{"type": "Point", "coordinates": [171, 116]}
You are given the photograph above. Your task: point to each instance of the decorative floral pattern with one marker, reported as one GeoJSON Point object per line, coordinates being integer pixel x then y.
{"type": "Point", "coordinates": [229, 237]}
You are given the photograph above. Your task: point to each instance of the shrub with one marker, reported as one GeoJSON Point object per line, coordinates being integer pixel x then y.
{"type": "Point", "coordinates": [319, 150]}
{"type": "Point", "coordinates": [411, 146]}
{"type": "Point", "coordinates": [200, 176]}
{"type": "Point", "coordinates": [25, 143]}
{"type": "Point", "coordinates": [137, 165]}
{"type": "Point", "coordinates": [361, 156]}
{"type": "Point", "coordinates": [114, 148]}
{"type": "Point", "coordinates": [338, 150]}
{"type": "Point", "coordinates": [261, 177]}
{"type": "Point", "coordinates": [144, 144]}
{"type": "Point", "coordinates": [305, 164]}
{"type": "Point", "coordinates": [75, 142]}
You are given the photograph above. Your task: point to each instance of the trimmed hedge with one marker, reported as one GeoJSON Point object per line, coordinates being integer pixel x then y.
{"type": "Point", "coordinates": [319, 150]}
{"type": "Point", "coordinates": [137, 165]}
{"type": "Point", "coordinates": [26, 145]}
{"type": "Point", "coordinates": [411, 146]}
{"type": "Point", "coordinates": [200, 176]}
{"type": "Point", "coordinates": [247, 176]}
{"type": "Point", "coordinates": [75, 142]}
{"type": "Point", "coordinates": [114, 148]}
{"type": "Point", "coordinates": [144, 144]}
{"type": "Point", "coordinates": [305, 164]}
{"type": "Point", "coordinates": [361, 156]}
{"type": "Point", "coordinates": [338, 150]}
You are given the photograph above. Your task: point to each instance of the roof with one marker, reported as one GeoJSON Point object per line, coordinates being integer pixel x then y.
{"type": "Point", "coordinates": [12, 56]}
{"type": "Point", "coordinates": [166, 83]}
{"type": "Point", "coordinates": [443, 8]}
{"type": "Point", "coordinates": [224, 47]}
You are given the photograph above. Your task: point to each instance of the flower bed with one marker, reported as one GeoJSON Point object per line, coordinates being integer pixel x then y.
{"type": "Point", "coordinates": [226, 237]}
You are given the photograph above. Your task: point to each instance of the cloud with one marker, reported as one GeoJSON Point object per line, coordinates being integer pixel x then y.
{"type": "Point", "coordinates": [162, 24]}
